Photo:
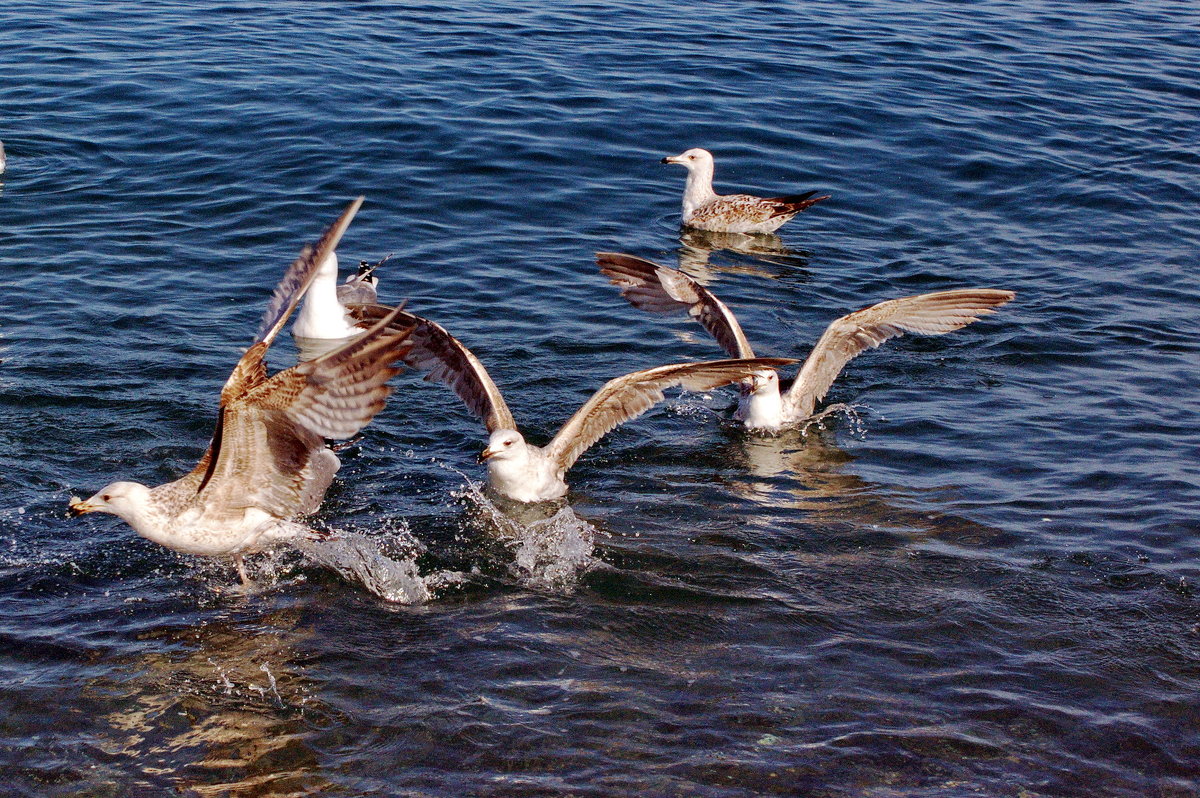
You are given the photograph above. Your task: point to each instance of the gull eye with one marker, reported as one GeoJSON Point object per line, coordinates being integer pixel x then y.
{"type": "Point", "coordinates": [508, 443]}
{"type": "Point", "coordinates": [105, 497]}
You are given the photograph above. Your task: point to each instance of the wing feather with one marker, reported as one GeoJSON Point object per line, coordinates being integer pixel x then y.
{"type": "Point", "coordinates": [627, 397]}
{"type": "Point", "coordinates": [338, 393]}
{"type": "Point", "coordinates": [851, 335]}
{"type": "Point", "coordinates": [271, 451]}
{"type": "Point", "coordinates": [448, 361]}
{"type": "Point", "coordinates": [658, 289]}
{"type": "Point", "coordinates": [300, 275]}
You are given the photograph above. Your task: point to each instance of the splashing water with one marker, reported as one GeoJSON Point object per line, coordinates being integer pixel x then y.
{"type": "Point", "coordinates": [853, 413]}
{"type": "Point", "coordinates": [549, 552]}
{"type": "Point", "coordinates": [386, 565]}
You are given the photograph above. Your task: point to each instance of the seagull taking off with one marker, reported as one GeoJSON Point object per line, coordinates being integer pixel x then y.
{"type": "Point", "coordinates": [659, 289]}
{"type": "Point", "coordinates": [522, 471]}
{"type": "Point", "coordinates": [267, 462]}
{"type": "Point", "coordinates": [704, 209]}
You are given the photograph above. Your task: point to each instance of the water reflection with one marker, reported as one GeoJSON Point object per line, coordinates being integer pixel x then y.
{"type": "Point", "coordinates": [697, 247]}
{"type": "Point", "coordinates": [227, 697]}
{"type": "Point", "coordinates": [801, 469]}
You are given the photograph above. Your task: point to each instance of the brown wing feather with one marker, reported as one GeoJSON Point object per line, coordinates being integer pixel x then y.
{"type": "Point", "coordinates": [270, 453]}
{"type": "Point", "coordinates": [448, 361]}
{"type": "Point", "coordinates": [852, 334]}
{"type": "Point", "coordinates": [794, 203]}
{"type": "Point", "coordinates": [338, 393]}
{"type": "Point", "coordinates": [251, 371]}
{"type": "Point", "coordinates": [629, 396]}
{"type": "Point", "coordinates": [658, 289]}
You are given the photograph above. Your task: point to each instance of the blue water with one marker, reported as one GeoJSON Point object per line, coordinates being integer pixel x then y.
{"type": "Point", "coordinates": [981, 583]}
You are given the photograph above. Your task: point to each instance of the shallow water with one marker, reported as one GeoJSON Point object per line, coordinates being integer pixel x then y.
{"type": "Point", "coordinates": [981, 583]}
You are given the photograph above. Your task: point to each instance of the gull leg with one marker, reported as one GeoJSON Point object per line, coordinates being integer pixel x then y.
{"type": "Point", "coordinates": [241, 566]}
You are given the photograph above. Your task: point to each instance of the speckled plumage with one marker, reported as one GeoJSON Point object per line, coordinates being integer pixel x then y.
{"type": "Point", "coordinates": [267, 462]}
{"type": "Point", "coordinates": [704, 209]}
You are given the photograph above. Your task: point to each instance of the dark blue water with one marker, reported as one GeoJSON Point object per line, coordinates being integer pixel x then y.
{"type": "Point", "coordinates": [982, 585]}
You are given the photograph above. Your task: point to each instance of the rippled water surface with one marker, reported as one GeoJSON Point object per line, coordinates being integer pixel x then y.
{"type": "Point", "coordinates": [979, 582]}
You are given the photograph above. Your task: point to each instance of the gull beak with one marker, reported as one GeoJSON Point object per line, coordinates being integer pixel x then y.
{"type": "Point", "coordinates": [78, 507]}
{"type": "Point", "coordinates": [485, 454]}
{"type": "Point", "coordinates": [671, 159]}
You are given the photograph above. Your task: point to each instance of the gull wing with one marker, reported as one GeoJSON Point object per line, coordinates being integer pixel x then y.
{"type": "Point", "coordinates": [627, 397]}
{"type": "Point", "coordinates": [851, 335]}
{"type": "Point", "coordinates": [658, 289]}
{"type": "Point", "coordinates": [794, 203]}
{"type": "Point", "coordinates": [448, 361]}
{"type": "Point", "coordinates": [269, 450]}
{"type": "Point", "coordinates": [251, 370]}
{"type": "Point", "coordinates": [357, 291]}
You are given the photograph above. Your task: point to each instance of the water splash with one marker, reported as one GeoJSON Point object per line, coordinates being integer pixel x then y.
{"type": "Point", "coordinates": [853, 413]}
{"type": "Point", "coordinates": [549, 544]}
{"type": "Point", "coordinates": [373, 562]}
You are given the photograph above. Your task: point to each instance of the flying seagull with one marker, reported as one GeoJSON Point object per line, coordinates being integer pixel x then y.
{"type": "Point", "coordinates": [704, 209]}
{"type": "Point", "coordinates": [522, 471]}
{"type": "Point", "coordinates": [659, 289]}
{"type": "Point", "coordinates": [267, 462]}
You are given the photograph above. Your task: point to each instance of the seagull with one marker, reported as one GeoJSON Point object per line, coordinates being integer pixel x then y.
{"type": "Point", "coordinates": [3, 161]}
{"type": "Point", "coordinates": [323, 315]}
{"type": "Point", "coordinates": [704, 209]}
{"type": "Point", "coordinates": [522, 471]}
{"type": "Point", "coordinates": [267, 462]}
{"type": "Point", "coordinates": [762, 407]}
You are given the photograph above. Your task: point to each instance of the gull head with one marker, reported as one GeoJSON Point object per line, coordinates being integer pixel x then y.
{"type": "Point", "coordinates": [763, 382]}
{"type": "Point", "coordinates": [693, 158]}
{"type": "Point", "coordinates": [504, 445]}
{"type": "Point", "coordinates": [122, 499]}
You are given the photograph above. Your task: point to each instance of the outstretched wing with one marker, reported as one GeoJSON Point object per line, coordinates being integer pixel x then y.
{"type": "Point", "coordinates": [269, 450]}
{"type": "Point", "coordinates": [300, 275]}
{"type": "Point", "coordinates": [628, 397]}
{"type": "Point", "coordinates": [851, 335]}
{"type": "Point", "coordinates": [251, 370]}
{"type": "Point", "coordinates": [447, 361]}
{"type": "Point", "coordinates": [657, 289]}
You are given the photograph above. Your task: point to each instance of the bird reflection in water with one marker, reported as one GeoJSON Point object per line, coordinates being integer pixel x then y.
{"type": "Point", "coordinates": [801, 470]}
{"type": "Point", "coordinates": [764, 250]}
{"type": "Point", "coordinates": [226, 696]}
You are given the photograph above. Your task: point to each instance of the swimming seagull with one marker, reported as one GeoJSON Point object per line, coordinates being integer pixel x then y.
{"type": "Point", "coordinates": [267, 462]}
{"type": "Point", "coordinates": [659, 289]}
{"type": "Point", "coordinates": [704, 209]}
{"type": "Point", "coordinates": [522, 471]}
{"type": "Point", "coordinates": [323, 315]}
